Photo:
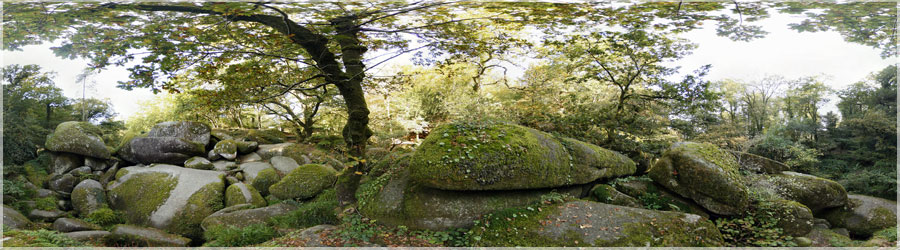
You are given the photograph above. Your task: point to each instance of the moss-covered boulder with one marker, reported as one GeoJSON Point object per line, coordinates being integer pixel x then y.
{"type": "Point", "coordinates": [260, 175]}
{"type": "Point", "coordinates": [487, 156]}
{"type": "Point", "coordinates": [655, 196]}
{"type": "Point", "coordinates": [227, 149]}
{"type": "Point", "coordinates": [62, 183]}
{"type": "Point", "coordinates": [167, 150]}
{"type": "Point", "coordinates": [758, 164]}
{"type": "Point", "coordinates": [863, 215]}
{"type": "Point", "coordinates": [192, 131]}
{"type": "Point", "coordinates": [198, 162]}
{"type": "Point", "coordinates": [168, 197]}
{"type": "Point", "coordinates": [794, 218]}
{"type": "Point", "coordinates": [704, 173]}
{"type": "Point", "coordinates": [813, 192]}
{"type": "Point", "coordinates": [13, 219]}
{"type": "Point", "coordinates": [393, 199]}
{"type": "Point", "coordinates": [607, 194]}
{"type": "Point", "coordinates": [304, 182]}
{"type": "Point", "coordinates": [246, 147]}
{"type": "Point", "coordinates": [88, 196]}
{"type": "Point", "coordinates": [266, 136]}
{"type": "Point", "coordinates": [135, 236]}
{"type": "Point", "coordinates": [80, 138]}
{"type": "Point", "coordinates": [593, 224]}
{"type": "Point", "coordinates": [223, 165]}
{"type": "Point", "coordinates": [66, 225]}
{"type": "Point", "coordinates": [267, 151]}
{"type": "Point", "coordinates": [240, 193]}
{"type": "Point", "coordinates": [823, 237]}
{"type": "Point", "coordinates": [243, 215]}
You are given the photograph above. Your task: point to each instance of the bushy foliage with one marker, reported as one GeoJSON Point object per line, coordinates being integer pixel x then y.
{"type": "Point", "coordinates": [756, 229]}
{"type": "Point", "coordinates": [38, 238]}
{"type": "Point", "coordinates": [238, 237]}
{"type": "Point", "coordinates": [105, 217]}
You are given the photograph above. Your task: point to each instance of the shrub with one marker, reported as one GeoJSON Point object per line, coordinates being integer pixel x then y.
{"type": "Point", "coordinates": [237, 237]}
{"type": "Point", "coordinates": [757, 229]}
{"type": "Point", "coordinates": [105, 217]}
{"type": "Point", "coordinates": [318, 211]}
{"type": "Point", "coordinates": [47, 203]}
{"type": "Point", "coordinates": [16, 189]}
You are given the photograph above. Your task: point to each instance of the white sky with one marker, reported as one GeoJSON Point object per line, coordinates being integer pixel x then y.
{"type": "Point", "coordinates": [782, 52]}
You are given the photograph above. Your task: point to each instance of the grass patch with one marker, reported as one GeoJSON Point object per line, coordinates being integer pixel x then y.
{"type": "Point", "coordinates": [238, 237]}
{"type": "Point", "coordinates": [38, 238]}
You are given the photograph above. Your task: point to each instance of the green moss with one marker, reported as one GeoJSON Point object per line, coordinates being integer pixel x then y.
{"type": "Point", "coordinates": [304, 182]}
{"type": "Point", "coordinates": [509, 227]}
{"type": "Point", "coordinates": [264, 179]}
{"type": "Point", "coordinates": [105, 217]}
{"type": "Point", "coordinates": [666, 230]}
{"type": "Point", "coordinates": [78, 137]}
{"type": "Point", "coordinates": [883, 216]}
{"type": "Point", "coordinates": [231, 236]}
{"type": "Point", "coordinates": [234, 195]}
{"type": "Point", "coordinates": [601, 193]}
{"type": "Point", "coordinates": [703, 173]}
{"type": "Point", "coordinates": [142, 194]}
{"type": "Point", "coordinates": [202, 203]}
{"type": "Point", "coordinates": [266, 136]}
{"type": "Point", "coordinates": [121, 172]}
{"type": "Point", "coordinates": [889, 234]}
{"type": "Point", "coordinates": [47, 203]}
{"type": "Point", "coordinates": [318, 211]}
{"type": "Point", "coordinates": [226, 148]}
{"type": "Point", "coordinates": [38, 238]}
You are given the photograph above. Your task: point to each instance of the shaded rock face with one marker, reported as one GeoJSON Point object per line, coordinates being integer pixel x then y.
{"type": "Point", "coordinates": [72, 225]}
{"type": "Point", "coordinates": [130, 235]}
{"type": "Point", "coordinates": [13, 219]}
{"type": "Point", "coordinates": [652, 192]}
{"type": "Point", "coordinates": [863, 215]}
{"type": "Point", "coordinates": [758, 164]}
{"type": "Point", "coordinates": [242, 215]}
{"type": "Point", "coordinates": [168, 150]}
{"type": "Point", "coordinates": [393, 199]}
{"type": "Point", "coordinates": [607, 194]}
{"type": "Point", "coordinates": [585, 223]}
{"type": "Point", "coordinates": [87, 235]}
{"type": "Point", "coordinates": [44, 215]}
{"type": "Point", "coordinates": [61, 163]}
{"type": "Point", "coordinates": [81, 138]}
{"type": "Point", "coordinates": [823, 237]}
{"type": "Point", "coordinates": [462, 156]}
{"type": "Point", "coordinates": [88, 196]}
{"type": "Point", "coordinates": [811, 191]}
{"type": "Point", "coordinates": [62, 183]}
{"type": "Point", "coordinates": [304, 182]}
{"type": "Point", "coordinates": [704, 173]}
{"type": "Point", "coordinates": [167, 197]}
{"type": "Point", "coordinates": [191, 131]}
{"type": "Point", "coordinates": [96, 164]}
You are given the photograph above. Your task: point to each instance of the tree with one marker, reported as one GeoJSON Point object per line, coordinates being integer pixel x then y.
{"type": "Point", "coordinates": [868, 23]}
{"type": "Point", "coordinates": [330, 39]}
{"type": "Point", "coordinates": [30, 100]}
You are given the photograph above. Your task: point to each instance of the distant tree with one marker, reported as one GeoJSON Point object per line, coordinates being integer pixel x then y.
{"type": "Point", "coordinates": [30, 100]}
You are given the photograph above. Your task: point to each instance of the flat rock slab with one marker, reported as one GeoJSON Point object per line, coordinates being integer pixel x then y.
{"type": "Point", "coordinates": [284, 165]}
{"type": "Point", "coordinates": [242, 215]}
{"type": "Point", "coordinates": [87, 235]}
{"type": "Point", "coordinates": [192, 131]}
{"type": "Point", "coordinates": [130, 235]}
{"type": "Point", "coordinates": [267, 151]}
{"type": "Point", "coordinates": [66, 225]}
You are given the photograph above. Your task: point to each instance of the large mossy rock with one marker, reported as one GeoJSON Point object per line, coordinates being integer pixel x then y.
{"type": "Point", "coordinates": [823, 237]}
{"type": "Point", "coordinates": [267, 151]}
{"type": "Point", "coordinates": [81, 138]}
{"type": "Point", "coordinates": [88, 196]}
{"type": "Point", "coordinates": [243, 215]}
{"type": "Point", "coordinates": [191, 131]}
{"type": "Point", "coordinates": [654, 195]}
{"type": "Point", "coordinates": [167, 150]}
{"type": "Point", "coordinates": [394, 199]}
{"type": "Point", "coordinates": [260, 175]}
{"type": "Point", "coordinates": [304, 182]}
{"type": "Point", "coordinates": [228, 149]}
{"type": "Point", "coordinates": [594, 224]}
{"type": "Point", "coordinates": [704, 173]}
{"type": "Point", "coordinates": [135, 236]}
{"type": "Point", "coordinates": [794, 218]}
{"type": "Point", "coordinates": [863, 215]}
{"type": "Point", "coordinates": [13, 219]}
{"type": "Point", "coordinates": [811, 191]}
{"type": "Point", "coordinates": [168, 197]}
{"type": "Point", "coordinates": [240, 193]}
{"type": "Point", "coordinates": [486, 156]}
{"type": "Point", "coordinates": [198, 162]}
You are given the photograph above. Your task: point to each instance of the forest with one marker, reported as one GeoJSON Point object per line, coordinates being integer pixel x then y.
{"type": "Point", "coordinates": [298, 82]}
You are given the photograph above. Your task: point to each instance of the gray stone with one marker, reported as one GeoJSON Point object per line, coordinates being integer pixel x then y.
{"type": "Point", "coordinates": [863, 215]}
{"type": "Point", "coordinates": [109, 175]}
{"type": "Point", "coordinates": [586, 223]}
{"type": "Point", "coordinates": [232, 180]}
{"type": "Point", "coordinates": [223, 165]}
{"type": "Point", "coordinates": [705, 174]}
{"type": "Point", "coordinates": [212, 155]}
{"type": "Point", "coordinates": [758, 164]}
{"type": "Point", "coordinates": [66, 225]}
{"type": "Point", "coordinates": [88, 196]}
{"type": "Point", "coordinates": [242, 215]}
{"type": "Point", "coordinates": [607, 194]}
{"type": "Point", "coordinates": [227, 149]}
{"type": "Point", "coordinates": [313, 236]}
{"type": "Point", "coordinates": [96, 164]}
{"type": "Point", "coordinates": [87, 235]}
{"type": "Point", "coordinates": [81, 138]}
{"type": "Point", "coordinates": [814, 192]}
{"type": "Point", "coordinates": [13, 219]}
{"type": "Point", "coordinates": [44, 193]}
{"type": "Point", "coordinates": [146, 237]}
{"type": "Point", "coordinates": [168, 150]}
{"type": "Point", "coordinates": [251, 157]}
{"type": "Point", "coordinates": [43, 215]}
{"type": "Point", "coordinates": [245, 147]}
{"type": "Point", "coordinates": [284, 165]}
{"type": "Point", "coordinates": [267, 151]}
{"type": "Point", "coordinates": [197, 162]}
{"type": "Point", "coordinates": [81, 171]}
{"type": "Point", "coordinates": [62, 183]}
{"type": "Point", "coordinates": [648, 189]}
{"type": "Point", "coordinates": [61, 163]}
{"type": "Point", "coordinates": [192, 131]}
{"type": "Point", "coordinates": [260, 175]}
{"type": "Point", "coordinates": [182, 197]}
